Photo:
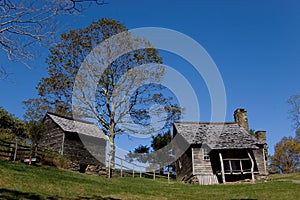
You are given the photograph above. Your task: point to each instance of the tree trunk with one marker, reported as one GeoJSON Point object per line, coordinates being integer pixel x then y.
{"type": "Point", "coordinates": [111, 159]}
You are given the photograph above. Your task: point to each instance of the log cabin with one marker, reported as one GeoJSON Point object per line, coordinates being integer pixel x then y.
{"type": "Point", "coordinates": [82, 142]}
{"type": "Point", "coordinates": [221, 152]}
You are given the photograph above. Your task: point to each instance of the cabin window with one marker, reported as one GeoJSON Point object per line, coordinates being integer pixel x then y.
{"type": "Point", "coordinates": [179, 163]}
{"type": "Point", "coordinates": [205, 154]}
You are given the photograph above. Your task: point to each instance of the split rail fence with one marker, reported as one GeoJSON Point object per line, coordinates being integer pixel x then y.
{"type": "Point", "coordinates": [13, 150]}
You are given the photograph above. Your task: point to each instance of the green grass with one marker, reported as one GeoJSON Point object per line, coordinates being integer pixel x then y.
{"type": "Point", "coordinates": [19, 181]}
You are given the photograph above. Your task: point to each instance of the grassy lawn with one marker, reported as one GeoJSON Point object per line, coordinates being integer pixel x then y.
{"type": "Point", "coordinates": [19, 181]}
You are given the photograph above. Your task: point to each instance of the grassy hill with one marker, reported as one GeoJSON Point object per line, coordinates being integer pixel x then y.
{"type": "Point", "coordinates": [19, 181]}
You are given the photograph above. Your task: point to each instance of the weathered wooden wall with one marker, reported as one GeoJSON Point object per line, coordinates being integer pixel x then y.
{"type": "Point", "coordinates": [79, 152]}
{"type": "Point", "coordinates": [72, 147]}
{"type": "Point", "coordinates": [184, 167]}
{"type": "Point", "coordinates": [201, 166]}
{"type": "Point", "coordinates": [53, 138]}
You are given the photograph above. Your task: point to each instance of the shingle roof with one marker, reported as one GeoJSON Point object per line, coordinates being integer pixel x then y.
{"type": "Point", "coordinates": [68, 124]}
{"type": "Point", "coordinates": [227, 135]}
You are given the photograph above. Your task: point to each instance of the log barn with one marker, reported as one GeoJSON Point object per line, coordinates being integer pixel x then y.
{"type": "Point", "coordinates": [82, 142]}
{"type": "Point", "coordinates": [221, 152]}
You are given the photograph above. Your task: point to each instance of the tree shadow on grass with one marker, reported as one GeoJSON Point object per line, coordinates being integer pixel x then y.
{"type": "Point", "coordinates": [15, 195]}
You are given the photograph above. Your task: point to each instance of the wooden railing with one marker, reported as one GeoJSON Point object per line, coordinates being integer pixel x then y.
{"type": "Point", "coordinates": [239, 169]}
{"type": "Point", "coordinates": [13, 150]}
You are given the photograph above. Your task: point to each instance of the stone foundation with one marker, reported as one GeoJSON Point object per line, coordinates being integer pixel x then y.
{"type": "Point", "coordinates": [262, 178]}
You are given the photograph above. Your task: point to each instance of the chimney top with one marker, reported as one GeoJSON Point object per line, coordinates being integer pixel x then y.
{"type": "Point", "coordinates": [240, 110]}
{"type": "Point", "coordinates": [240, 117]}
{"type": "Point", "coordinates": [261, 135]}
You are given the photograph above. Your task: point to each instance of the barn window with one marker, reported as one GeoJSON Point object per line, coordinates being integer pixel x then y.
{"type": "Point", "coordinates": [205, 154]}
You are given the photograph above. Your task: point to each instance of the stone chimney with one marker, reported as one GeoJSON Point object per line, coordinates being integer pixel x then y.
{"type": "Point", "coordinates": [261, 136]}
{"type": "Point", "coordinates": [240, 117]}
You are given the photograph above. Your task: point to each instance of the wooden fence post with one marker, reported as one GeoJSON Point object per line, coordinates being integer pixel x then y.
{"type": "Point", "coordinates": [153, 174]}
{"type": "Point", "coordinates": [121, 168]}
{"type": "Point", "coordinates": [140, 172]}
{"type": "Point", "coordinates": [168, 177]}
{"type": "Point", "coordinates": [11, 149]}
{"type": "Point", "coordinates": [133, 171]}
{"type": "Point", "coordinates": [109, 172]}
{"type": "Point", "coordinates": [16, 149]}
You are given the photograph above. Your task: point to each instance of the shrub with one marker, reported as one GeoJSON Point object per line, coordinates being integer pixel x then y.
{"type": "Point", "coordinates": [51, 158]}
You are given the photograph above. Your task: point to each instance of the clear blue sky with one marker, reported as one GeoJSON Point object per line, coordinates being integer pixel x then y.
{"type": "Point", "coordinates": [255, 45]}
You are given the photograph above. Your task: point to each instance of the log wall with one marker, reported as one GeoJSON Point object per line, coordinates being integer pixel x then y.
{"type": "Point", "coordinates": [184, 167]}
{"type": "Point", "coordinates": [87, 152]}
{"type": "Point", "coordinates": [53, 138]}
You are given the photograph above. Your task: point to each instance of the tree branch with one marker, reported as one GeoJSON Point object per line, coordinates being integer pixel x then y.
{"type": "Point", "coordinates": [25, 24]}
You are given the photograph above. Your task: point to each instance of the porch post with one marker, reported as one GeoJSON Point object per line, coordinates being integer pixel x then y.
{"type": "Point", "coordinates": [252, 166]}
{"type": "Point", "coordinates": [241, 165]}
{"type": "Point", "coordinates": [222, 168]}
{"type": "Point", "coordinates": [264, 159]}
{"type": "Point", "coordinates": [62, 144]}
{"type": "Point", "coordinates": [193, 168]}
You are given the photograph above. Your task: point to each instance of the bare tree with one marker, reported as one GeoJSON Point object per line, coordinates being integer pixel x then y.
{"type": "Point", "coordinates": [104, 74]}
{"type": "Point", "coordinates": [127, 98]}
{"type": "Point", "coordinates": [27, 23]}
{"type": "Point", "coordinates": [3, 73]}
{"type": "Point", "coordinates": [294, 112]}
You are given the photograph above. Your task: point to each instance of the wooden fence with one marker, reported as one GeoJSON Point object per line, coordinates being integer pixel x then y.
{"type": "Point", "coordinates": [13, 150]}
{"type": "Point", "coordinates": [135, 170]}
